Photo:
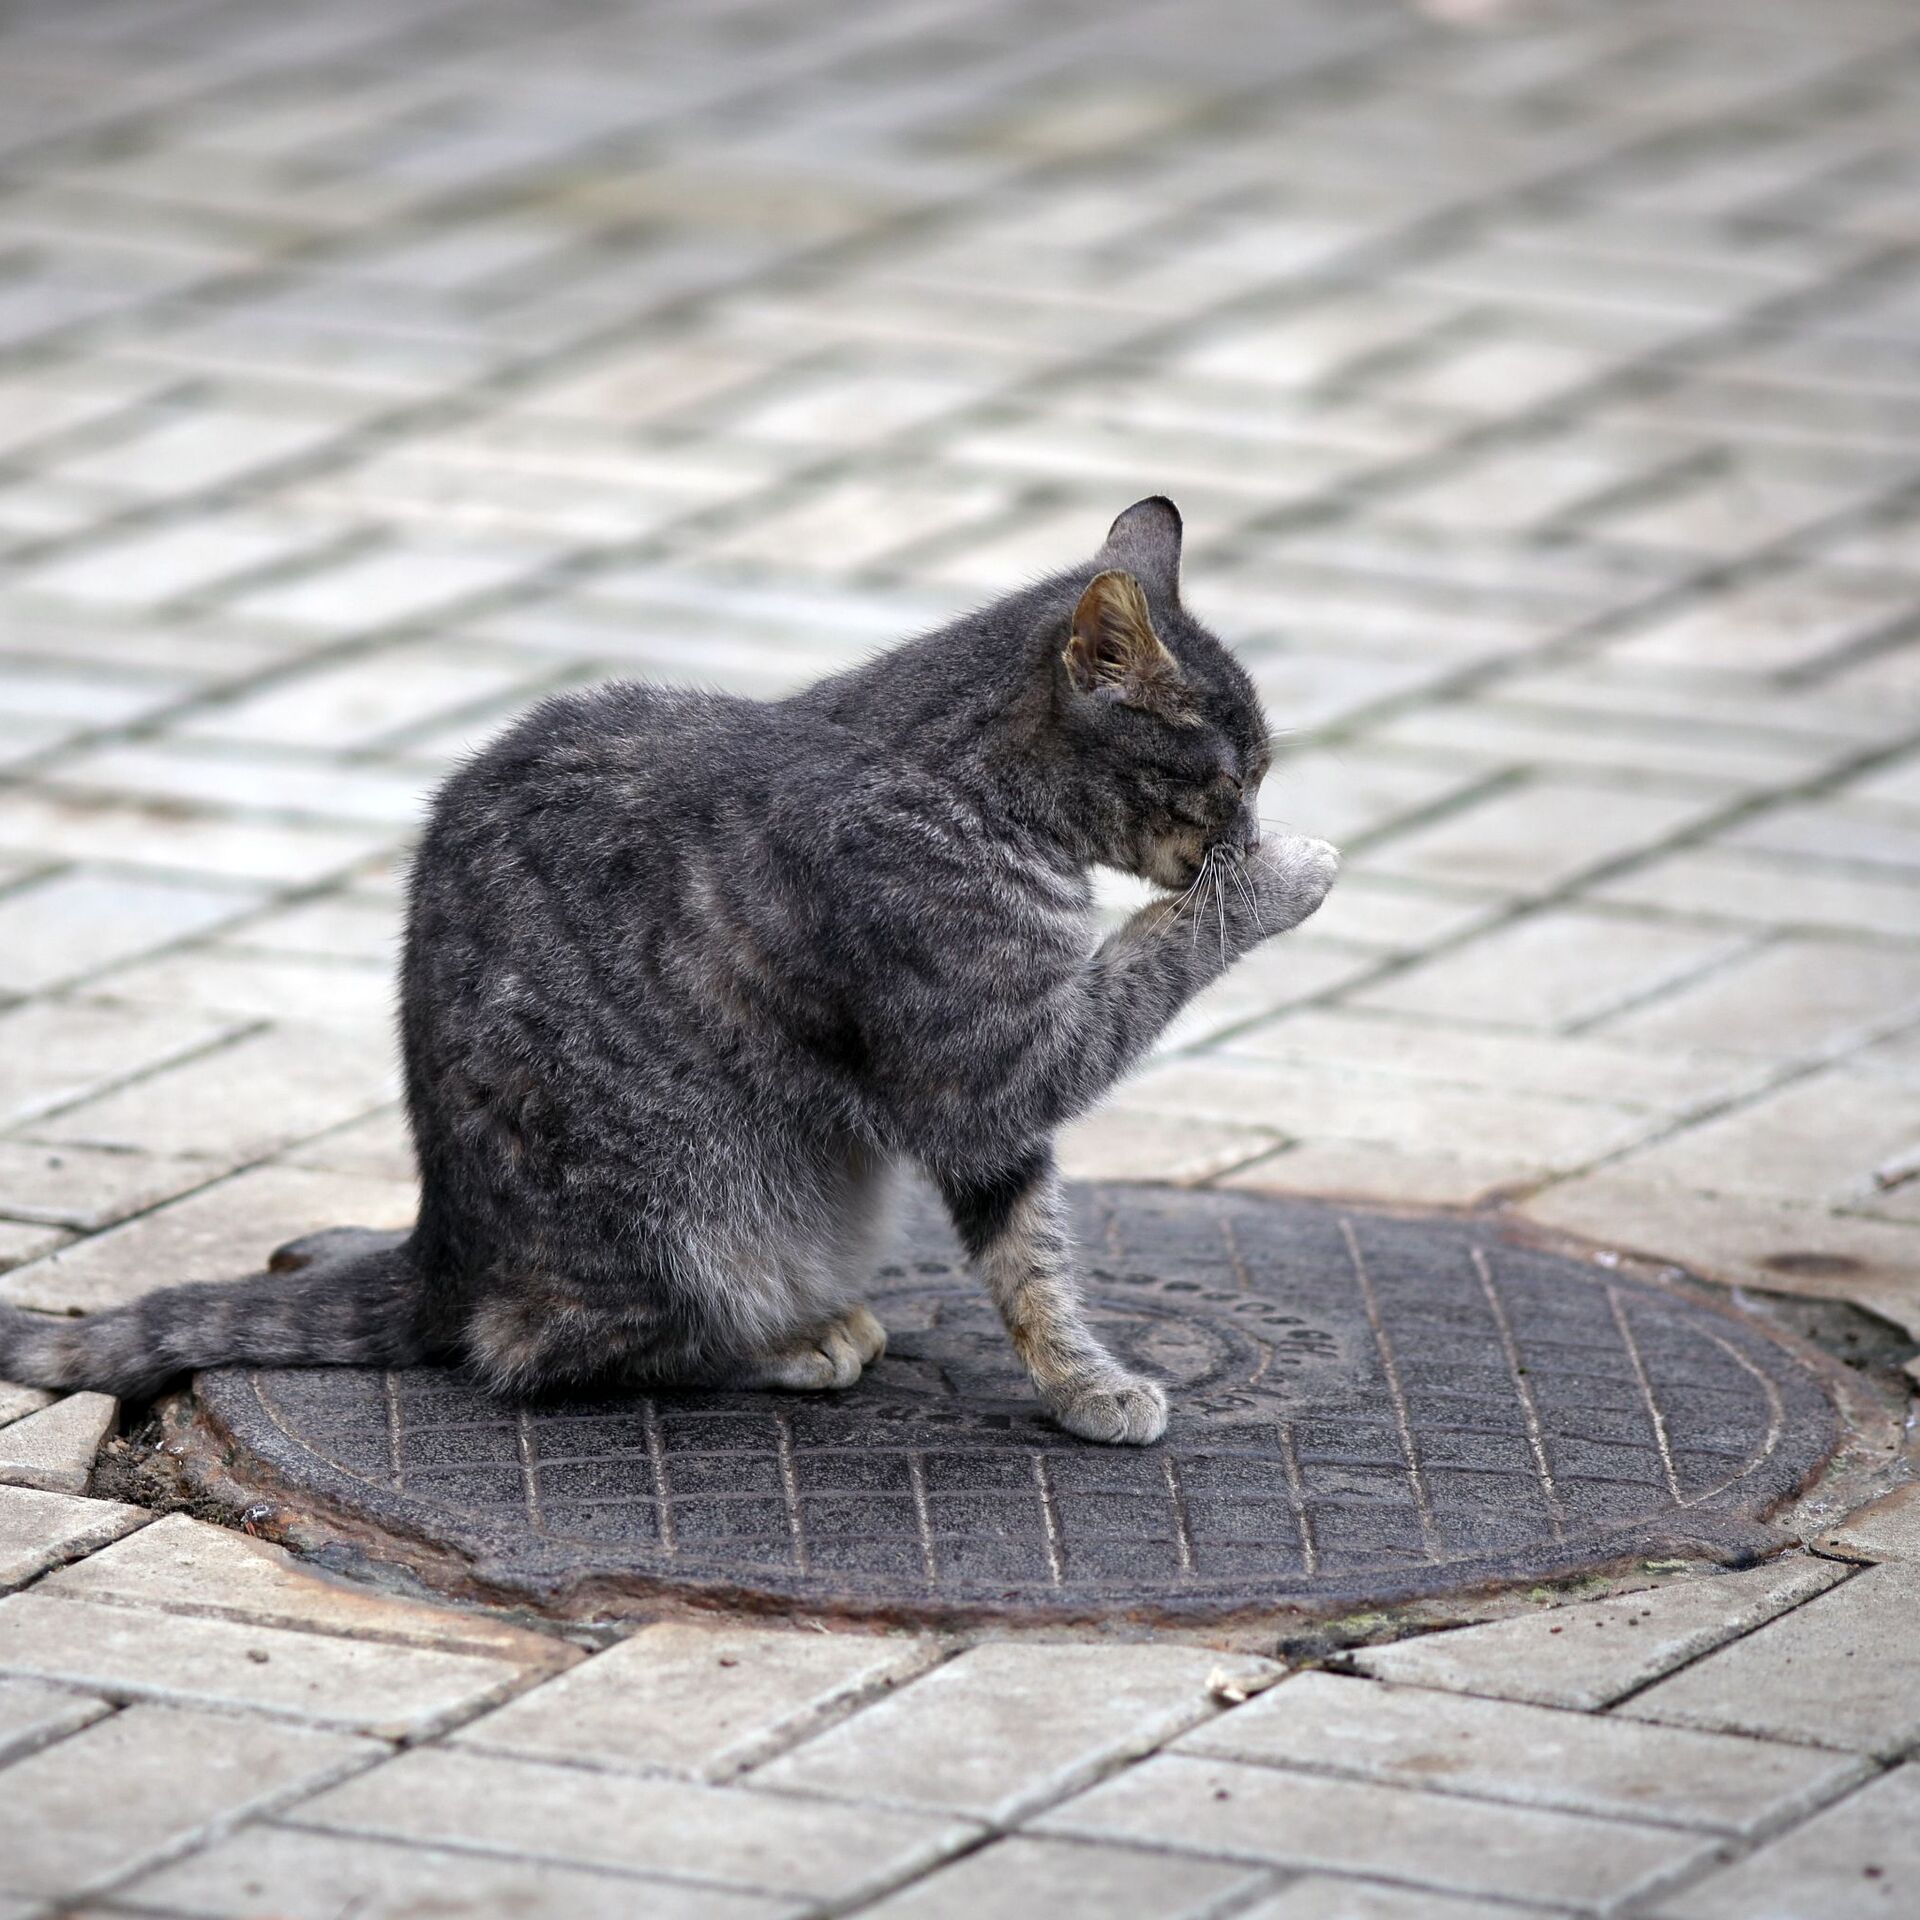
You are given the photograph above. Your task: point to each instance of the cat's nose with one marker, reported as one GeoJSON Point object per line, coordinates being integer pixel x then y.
{"type": "Point", "coordinates": [1247, 834]}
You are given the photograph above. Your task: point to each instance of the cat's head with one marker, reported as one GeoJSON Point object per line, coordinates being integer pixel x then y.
{"type": "Point", "coordinates": [1160, 728]}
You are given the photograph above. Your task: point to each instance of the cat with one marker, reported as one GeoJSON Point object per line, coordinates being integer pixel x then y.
{"type": "Point", "coordinates": [688, 977]}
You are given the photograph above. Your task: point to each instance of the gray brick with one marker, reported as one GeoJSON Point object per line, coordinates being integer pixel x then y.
{"type": "Point", "coordinates": [1006, 1726]}
{"type": "Point", "coordinates": [149, 568]}
{"type": "Point", "coordinates": [241, 1101]}
{"type": "Point", "coordinates": [76, 923]}
{"type": "Point", "coordinates": [1260, 1814]}
{"type": "Point", "coordinates": [353, 704]}
{"type": "Point", "coordinates": [219, 1233]}
{"type": "Point", "coordinates": [54, 1448]}
{"type": "Point", "coordinates": [40, 1529]}
{"type": "Point", "coordinates": [1592, 1653]}
{"type": "Point", "coordinates": [169, 839]}
{"type": "Point", "coordinates": [1532, 1756]}
{"type": "Point", "coordinates": [1539, 835]}
{"type": "Point", "coordinates": [1842, 1671]}
{"type": "Point", "coordinates": [86, 1187]}
{"type": "Point", "coordinates": [1553, 968]}
{"type": "Point", "coordinates": [33, 1714]}
{"type": "Point", "coordinates": [150, 1779]}
{"type": "Point", "coordinates": [1316, 1897]}
{"type": "Point", "coordinates": [182, 1565]}
{"type": "Point", "coordinates": [733, 1837]}
{"type": "Point", "coordinates": [302, 1875]}
{"type": "Point", "coordinates": [1856, 1861]}
{"type": "Point", "coordinates": [323, 1679]}
{"type": "Point", "coordinates": [188, 452]}
{"type": "Point", "coordinates": [1070, 1880]}
{"type": "Point", "coordinates": [696, 1699]}
{"type": "Point", "coordinates": [398, 583]}
{"type": "Point", "coordinates": [55, 1054]}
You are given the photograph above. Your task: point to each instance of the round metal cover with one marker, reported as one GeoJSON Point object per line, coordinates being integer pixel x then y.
{"type": "Point", "coordinates": [1365, 1409]}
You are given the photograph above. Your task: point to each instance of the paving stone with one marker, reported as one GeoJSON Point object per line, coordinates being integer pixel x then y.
{"type": "Point", "coordinates": [1886, 1529]}
{"type": "Point", "coordinates": [148, 1780]}
{"type": "Point", "coordinates": [1226, 1810]}
{"type": "Point", "coordinates": [1716, 759]}
{"type": "Point", "coordinates": [189, 452]}
{"type": "Point", "coordinates": [16, 1402]}
{"type": "Point", "coordinates": [1316, 1897]}
{"type": "Point", "coordinates": [87, 1187]}
{"type": "Point", "coordinates": [76, 923]}
{"type": "Point", "coordinates": [21, 1242]}
{"type": "Point", "coordinates": [1741, 1239]}
{"type": "Point", "coordinates": [1591, 1653]}
{"type": "Point", "coordinates": [33, 1714]}
{"type": "Point", "coordinates": [54, 1448]}
{"type": "Point", "coordinates": [1562, 1066]}
{"type": "Point", "coordinates": [167, 838]}
{"type": "Point", "coordinates": [1005, 1727]}
{"type": "Point", "coordinates": [1550, 969]}
{"type": "Point", "coordinates": [1371, 1171]}
{"type": "Point", "coordinates": [1114, 1144]}
{"type": "Point", "coordinates": [1305, 1099]}
{"type": "Point", "coordinates": [1842, 1671]}
{"type": "Point", "coordinates": [1531, 1755]}
{"type": "Point", "coordinates": [1801, 993]}
{"type": "Point", "coordinates": [39, 1530]}
{"type": "Point", "coordinates": [738, 1838]}
{"type": "Point", "coordinates": [1537, 835]}
{"type": "Point", "coordinates": [227, 774]}
{"type": "Point", "coordinates": [187, 1566]}
{"type": "Point", "coordinates": [1070, 1880]}
{"type": "Point", "coordinates": [401, 582]}
{"type": "Point", "coordinates": [353, 704]}
{"type": "Point", "coordinates": [153, 566]}
{"type": "Point", "coordinates": [1856, 1860]}
{"type": "Point", "coordinates": [695, 1699]}
{"type": "Point", "coordinates": [239, 1102]}
{"type": "Point", "coordinates": [1816, 1140]}
{"type": "Point", "coordinates": [341, 926]}
{"type": "Point", "coordinates": [222, 1232]}
{"type": "Point", "coordinates": [1865, 839]}
{"type": "Point", "coordinates": [357, 1685]}
{"type": "Point", "coordinates": [354, 997]}
{"type": "Point", "coordinates": [1777, 623]}
{"type": "Point", "coordinates": [1761, 890]}
{"type": "Point", "coordinates": [380, 1146]}
{"type": "Point", "coordinates": [300, 1875]}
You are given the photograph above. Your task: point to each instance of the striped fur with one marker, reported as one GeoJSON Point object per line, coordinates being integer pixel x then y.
{"type": "Point", "coordinates": [689, 978]}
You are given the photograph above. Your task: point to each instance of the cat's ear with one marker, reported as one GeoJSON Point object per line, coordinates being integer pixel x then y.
{"type": "Point", "coordinates": [1113, 645]}
{"type": "Point", "coordinates": [1145, 542]}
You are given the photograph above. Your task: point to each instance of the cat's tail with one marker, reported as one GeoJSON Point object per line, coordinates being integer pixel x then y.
{"type": "Point", "coordinates": [347, 1297]}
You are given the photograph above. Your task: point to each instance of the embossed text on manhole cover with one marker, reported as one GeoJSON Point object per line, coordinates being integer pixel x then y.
{"type": "Point", "coordinates": [1365, 1409]}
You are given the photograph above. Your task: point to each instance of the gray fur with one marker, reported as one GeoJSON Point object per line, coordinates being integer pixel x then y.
{"type": "Point", "coordinates": [689, 977]}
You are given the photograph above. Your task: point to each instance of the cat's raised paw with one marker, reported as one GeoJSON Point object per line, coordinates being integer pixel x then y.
{"type": "Point", "coordinates": [1119, 1410]}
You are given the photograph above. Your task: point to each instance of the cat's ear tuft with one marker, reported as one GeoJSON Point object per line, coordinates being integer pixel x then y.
{"type": "Point", "coordinates": [1113, 645]}
{"type": "Point", "coordinates": [1145, 542]}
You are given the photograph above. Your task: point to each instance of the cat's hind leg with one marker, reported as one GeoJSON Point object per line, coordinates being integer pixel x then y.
{"type": "Point", "coordinates": [825, 1360]}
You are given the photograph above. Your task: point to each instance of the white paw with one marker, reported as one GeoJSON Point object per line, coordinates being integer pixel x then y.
{"type": "Point", "coordinates": [1118, 1410]}
{"type": "Point", "coordinates": [1298, 875]}
{"type": "Point", "coordinates": [830, 1360]}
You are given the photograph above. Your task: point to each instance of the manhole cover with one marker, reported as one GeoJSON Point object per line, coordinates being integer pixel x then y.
{"type": "Point", "coordinates": [1365, 1409]}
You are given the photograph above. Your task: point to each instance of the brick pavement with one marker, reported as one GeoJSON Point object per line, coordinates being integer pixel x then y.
{"type": "Point", "coordinates": [1541, 384]}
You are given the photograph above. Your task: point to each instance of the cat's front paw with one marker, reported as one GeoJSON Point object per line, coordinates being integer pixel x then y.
{"type": "Point", "coordinates": [1117, 1409]}
{"type": "Point", "coordinates": [1291, 879]}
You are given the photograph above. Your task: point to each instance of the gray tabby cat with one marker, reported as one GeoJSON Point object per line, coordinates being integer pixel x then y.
{"type": "Point", "coordinates": [687, 977]}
